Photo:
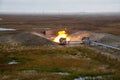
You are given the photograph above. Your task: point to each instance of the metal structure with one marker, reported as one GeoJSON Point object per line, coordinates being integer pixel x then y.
{"type": "Point", "coordinates": [88, 42]}
{"type": "Point", "coordinates": [62, 41]}
{"type": "Point", "coordinates": [108, 46]}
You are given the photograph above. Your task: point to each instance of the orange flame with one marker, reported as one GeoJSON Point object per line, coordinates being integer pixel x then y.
{"type": "Point", "coordinates": [61, 34]}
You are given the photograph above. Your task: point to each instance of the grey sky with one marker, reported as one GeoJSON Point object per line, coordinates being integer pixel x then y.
{"type": "Point", "coordinates": [58, 6]}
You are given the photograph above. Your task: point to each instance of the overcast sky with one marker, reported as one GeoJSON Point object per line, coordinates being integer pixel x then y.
{"type": "Point", "coordinates": [58, 6]}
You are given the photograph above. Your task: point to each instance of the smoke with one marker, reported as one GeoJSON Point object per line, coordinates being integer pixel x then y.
{"type": "Point", "coordinates": [79, 35]}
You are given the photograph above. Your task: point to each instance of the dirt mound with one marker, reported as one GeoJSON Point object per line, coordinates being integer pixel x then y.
{"type": "Point", "coordinates": [111, 39]}
{"type": "Point", "coordinates": [25, 39]}
{"type": "Point", "coordinates": [102, 37]}
{"type": "Point", "coordinates": [80, 34]}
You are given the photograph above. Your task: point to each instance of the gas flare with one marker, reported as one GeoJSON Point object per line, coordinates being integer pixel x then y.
{"type": "Point", "coordinates": [61, 34]}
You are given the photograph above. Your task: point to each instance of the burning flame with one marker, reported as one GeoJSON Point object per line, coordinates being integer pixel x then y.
{"type": "Point", "coordinates": [61, 34]}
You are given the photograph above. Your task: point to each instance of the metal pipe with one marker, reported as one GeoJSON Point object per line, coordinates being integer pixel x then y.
{"type": "Point", "coordinates": [109, 46]}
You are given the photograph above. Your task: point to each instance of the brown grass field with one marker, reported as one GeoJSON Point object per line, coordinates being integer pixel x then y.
{"type": "Point", "coordinates": [108, 23]}
{"type": "Point", "coordinates": [43, 63]}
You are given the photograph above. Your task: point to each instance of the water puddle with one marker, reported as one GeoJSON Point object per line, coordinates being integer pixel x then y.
{"type": "Point", "coordinates": [7, 29]}
{"type": "Point", "coordinates": [63, 73]}
{"type": "Point", "coordinates": [12, 62]}
{"type": "Point", "coordinates": [93, 77]}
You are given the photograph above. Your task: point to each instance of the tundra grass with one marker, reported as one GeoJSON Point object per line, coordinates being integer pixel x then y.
{"type": "Point", "coordinates": [39, 63]}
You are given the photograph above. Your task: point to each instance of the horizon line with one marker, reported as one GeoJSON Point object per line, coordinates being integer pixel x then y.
{"type": "Point", "coordinates": [59, 13]}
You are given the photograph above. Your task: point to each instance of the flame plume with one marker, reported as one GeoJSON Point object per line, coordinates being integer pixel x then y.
{"type": "Point", "coordinates": [61, 34]}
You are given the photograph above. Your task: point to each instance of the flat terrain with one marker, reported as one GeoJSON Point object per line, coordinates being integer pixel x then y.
{"type": "Point", "coordinates": [108, 23]}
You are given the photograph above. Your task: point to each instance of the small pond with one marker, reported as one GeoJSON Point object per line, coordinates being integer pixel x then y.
{"type": "Point", "coordinates": [63, 73]}
{"type": "Point", "coordinates": [7, 29]}
{"type": "Point", "coordinates": [99, 77]}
